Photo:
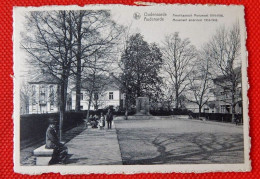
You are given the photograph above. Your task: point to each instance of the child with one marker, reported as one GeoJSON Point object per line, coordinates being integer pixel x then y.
{"type": "Point", "coordinates": [102, 122]}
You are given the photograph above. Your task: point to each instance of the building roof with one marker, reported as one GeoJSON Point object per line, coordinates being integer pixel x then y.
{"type": "Point", "coordinates": [44, 78]}
{"type": "Point", "coordinates": [222, 78]}
{"type": "Point", "coordinates": [105, 82]}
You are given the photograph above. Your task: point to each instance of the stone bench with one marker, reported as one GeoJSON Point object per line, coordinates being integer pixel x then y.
{"type": "Point", "coordinates": [43, 155]}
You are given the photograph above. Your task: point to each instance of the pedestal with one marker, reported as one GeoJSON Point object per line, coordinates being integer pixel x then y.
{"type": "Point", "coordinates": [142, 106]}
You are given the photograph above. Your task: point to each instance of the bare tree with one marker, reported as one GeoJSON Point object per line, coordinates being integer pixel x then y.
{"type": "Point", "coordinates": [96, 76]}
{"type": "Point", "coordinates": [225, 50]}
{"type": "Point", "coordinates": [25, 94]}
{"type": "Point", "coordinates": [122, 77]}
{"type": "Point", "coordinates": [94, 31]}
{"type": "Point", "coordinates": [48, 41]}
{"type": "Point", "coordinates": [178, 55]}
{"type": "Point", "coordinates": [200, 81]}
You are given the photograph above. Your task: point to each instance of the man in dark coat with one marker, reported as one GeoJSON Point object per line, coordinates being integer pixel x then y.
{"type": "Point", "coordinates": [52, 142]}
{"type": "Point", "coordinates": [109, 118]}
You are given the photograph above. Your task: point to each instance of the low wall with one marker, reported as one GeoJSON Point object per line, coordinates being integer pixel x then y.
{"type": "Point", "coordinates": [33, 126]}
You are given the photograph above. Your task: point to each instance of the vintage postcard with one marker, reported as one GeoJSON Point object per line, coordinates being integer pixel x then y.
{"type": "Point", "coordinates": [130, 89]}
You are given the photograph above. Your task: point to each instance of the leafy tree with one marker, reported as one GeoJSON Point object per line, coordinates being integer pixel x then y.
{"type": "Point", "coordinates": [141, 64]}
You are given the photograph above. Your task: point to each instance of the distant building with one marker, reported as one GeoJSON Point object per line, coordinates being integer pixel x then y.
{"type": "Point", "coordinates": [220, 96]}
{"type": "Point", "coordinates": [198, 87]}
{"type": "Point", "coordinates": [209, 107]}
{"type": "Point", "coordinates": [223, 93]}
{"type": "Point", "coordinates": [43, 94]}
{"type": "Point", "coordinates": [107, 94]}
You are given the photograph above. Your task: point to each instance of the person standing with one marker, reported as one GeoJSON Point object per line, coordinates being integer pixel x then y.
{"type": "Point", "coordinates": [86, 121]}
{"type": "Point", "coordinates": [109, 118]}
{"type": "Point", "coordinates": [52, 142]}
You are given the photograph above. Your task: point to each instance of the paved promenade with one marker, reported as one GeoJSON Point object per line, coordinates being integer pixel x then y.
{"type": "Point", "coordinates": [94, 147]}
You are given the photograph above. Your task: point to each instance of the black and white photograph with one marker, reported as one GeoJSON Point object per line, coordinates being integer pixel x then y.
{"type": "Point", "coordinates": [130, 89]}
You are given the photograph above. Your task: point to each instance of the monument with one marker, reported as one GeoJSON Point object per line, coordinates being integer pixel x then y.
{"type": "Point", "coordinates": [142, 106]}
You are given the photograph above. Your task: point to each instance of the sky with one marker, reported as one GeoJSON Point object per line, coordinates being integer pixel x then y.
{"type": "Point", "coordinates": [199, 32]}
{"type": "Point", "coordinates": [173, 19]}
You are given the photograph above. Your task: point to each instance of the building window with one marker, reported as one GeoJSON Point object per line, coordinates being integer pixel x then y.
{"type": "Point", "coordinates": [34, 107]}
{"type": "Point", "coordinates": [42, 89]}
{"type": "Point", "coordinates": [52, 106]}
{"type": "Point", "coordinates": [96, 96]}
{"type": "Point", "coordinates": [51, 89]}
{"type": "Point", "coordinates": [42, 97]}
{"type": "Point", "coordinates": [206, 110]}
{"type": "Point", "coordinates": [81, 96]}
{"type": "Point", "coordinates": [224, 94]}
{"type": "Point", "coordinates": [33, 99]}
{"type": "Point", "coordinates": [33, 89]}
{"type": "Point", "coordinates": [111, 95]}
{"type": "Point", "coordinates": [225, 108]}
{"type": "Point", "coordinates": [81, 107]}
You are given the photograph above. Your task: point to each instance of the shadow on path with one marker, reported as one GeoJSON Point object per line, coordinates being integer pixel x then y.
{"type": "Point", "coordinates": [190, 148]}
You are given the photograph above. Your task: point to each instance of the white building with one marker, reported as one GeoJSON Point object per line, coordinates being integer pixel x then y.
{"type": "Point", "coordinates": [106, 95]}
{"type": "Point", "coordinates": [43, 94]}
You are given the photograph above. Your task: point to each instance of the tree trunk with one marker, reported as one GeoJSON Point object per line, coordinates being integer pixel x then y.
{"type": "Point", "coordinates": [233, 111]}
{"type": "Point", "coordinates": [177, 98]}
{"type": "Point", "coordinates": [62, 108]}
{"type": "Point", "coordinates": [63, 100]}
{"type": "Point", "coordinates": [89, 104]}
{"type": "Point", "coordinates": [126, 106]}
{"type": "Point", "coordinates": [200, 111]}
{"type": "Point", "coordinates": [78, 56]}
{"type": "Point", "coordinates": [138, 92]}
{"type": "Point", "coordinates": [78, 85]}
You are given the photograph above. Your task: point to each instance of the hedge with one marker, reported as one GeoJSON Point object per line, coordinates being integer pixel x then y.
{"type": "Point", "coordinates": [33, 126]}
{"type": "Point", "coordinates": [218, 117]}
{"type": "Point", "coordinates": [162, 112]}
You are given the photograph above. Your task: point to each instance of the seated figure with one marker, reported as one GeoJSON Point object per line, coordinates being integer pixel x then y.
{"type": "Point", "coordinates": [94, 121]}
{"type": "Point", "coordinates": [52, 142]}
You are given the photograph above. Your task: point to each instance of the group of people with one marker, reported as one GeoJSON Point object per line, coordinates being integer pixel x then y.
{"type": "Point", "coordinates": [60, 151]}
{"type": "Point", "coordinates": [99, 121]}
